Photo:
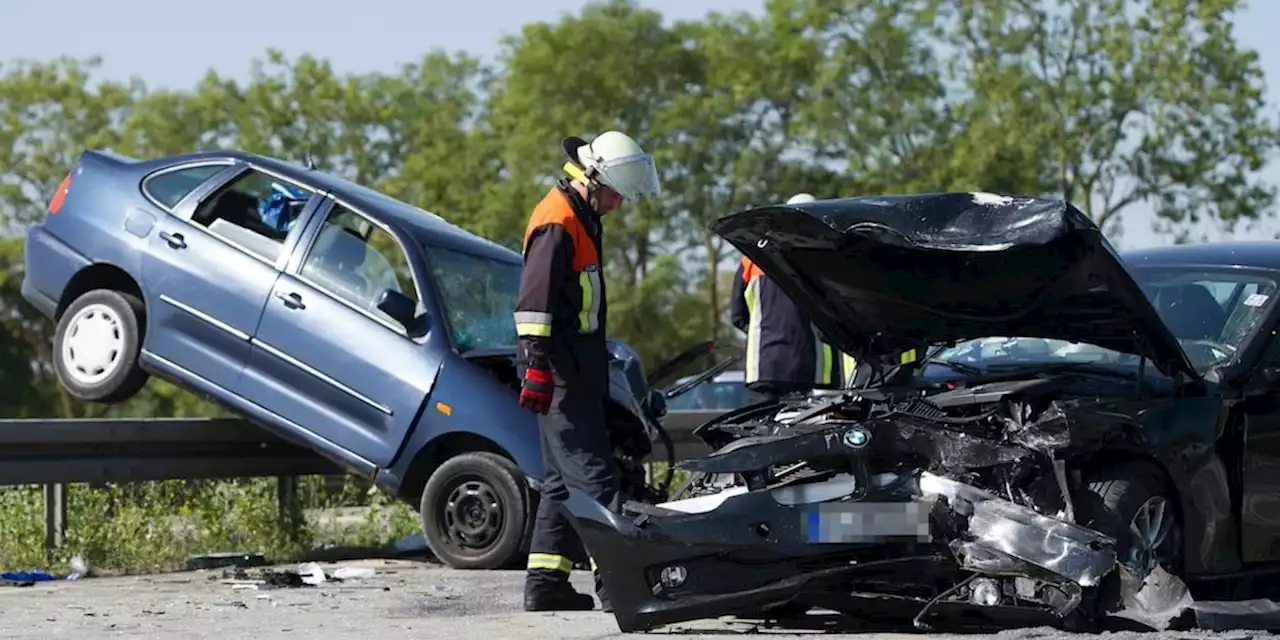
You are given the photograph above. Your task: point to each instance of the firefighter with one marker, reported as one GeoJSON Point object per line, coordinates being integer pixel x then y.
{"type": "Point", "coordinates": [785, 352]}
{"type": "Point", "coordinates": [563, 360]}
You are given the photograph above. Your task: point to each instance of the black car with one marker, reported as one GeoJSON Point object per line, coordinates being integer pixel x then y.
{"type": "Point", "coordinates": [1083, 427]}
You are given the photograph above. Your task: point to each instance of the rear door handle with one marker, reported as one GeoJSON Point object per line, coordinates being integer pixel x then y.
{"type": "Point", "coordinates": [175, 240]}
{"type": "Point", "coordinates": [291, 300]}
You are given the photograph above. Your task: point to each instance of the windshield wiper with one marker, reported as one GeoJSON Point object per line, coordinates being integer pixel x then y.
{"type": "Point", "coordinates": [958, 367]}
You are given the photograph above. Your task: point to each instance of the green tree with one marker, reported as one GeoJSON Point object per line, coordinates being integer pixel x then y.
{"type": "Point", "coordinates": [613, 66]}
{"type": "Point", "coordinates": [1126, 102]}
{"type": "Point", "coordinates": [50, 112]}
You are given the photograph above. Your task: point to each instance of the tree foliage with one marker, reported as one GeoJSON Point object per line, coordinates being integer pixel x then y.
{"type": "Point", "coordinates": [1118, 105]}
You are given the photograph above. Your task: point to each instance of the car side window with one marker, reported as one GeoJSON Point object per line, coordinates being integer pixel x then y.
{"type": "Point", "coordinates": [254, 212]}
{"type": "Point", "coordinates": [356, 260]}
{"type": "Point", "coordinates": [170, 187]}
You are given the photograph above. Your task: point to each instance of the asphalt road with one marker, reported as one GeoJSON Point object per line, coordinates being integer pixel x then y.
{"type": "Point", "coordinates": [402, 600]}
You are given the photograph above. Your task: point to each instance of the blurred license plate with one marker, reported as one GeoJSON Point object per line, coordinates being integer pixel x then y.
{"type": "Point", "coordinates": [853, 522]}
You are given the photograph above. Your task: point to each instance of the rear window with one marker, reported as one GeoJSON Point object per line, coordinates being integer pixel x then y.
{"type": "Point", "coordinates": [170, 187]}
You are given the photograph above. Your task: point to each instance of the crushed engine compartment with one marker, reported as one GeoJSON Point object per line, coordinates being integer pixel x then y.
{"type": "Point", "coordinates": [989, 473]}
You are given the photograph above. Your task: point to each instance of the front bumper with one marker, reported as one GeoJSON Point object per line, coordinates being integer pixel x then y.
{"type": "Point", "coordinates": [886, 558]}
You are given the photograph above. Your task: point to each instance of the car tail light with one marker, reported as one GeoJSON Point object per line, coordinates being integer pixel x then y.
{"type": "Point", "coordinates": [60, 195]}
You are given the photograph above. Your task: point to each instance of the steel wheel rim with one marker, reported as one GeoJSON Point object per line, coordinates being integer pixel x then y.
{"type": "Point", "coordinates": [93, 345]}
{"type": "Point", "coordinates": [472, 515]}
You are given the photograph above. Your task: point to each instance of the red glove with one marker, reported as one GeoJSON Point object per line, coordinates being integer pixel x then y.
{"type": "Point", "coordinates": [536, 392]}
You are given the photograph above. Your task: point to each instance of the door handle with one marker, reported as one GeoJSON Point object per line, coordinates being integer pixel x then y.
{"type": "Point", "coordinates": [175, 240]}
{"type": "Point", "coordinates": [291, 300]}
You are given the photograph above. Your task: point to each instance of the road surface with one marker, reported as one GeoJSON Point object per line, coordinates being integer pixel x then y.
{"type": "Point", "coordinates": [410, 600]}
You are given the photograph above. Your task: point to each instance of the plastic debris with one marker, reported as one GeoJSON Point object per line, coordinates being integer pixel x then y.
{"type": "Point", "coordinates": [353, 573]}
{"type": "Point", "coordinates": [78, 568]}
{"type": "Point", "coordinates": [311, 573]}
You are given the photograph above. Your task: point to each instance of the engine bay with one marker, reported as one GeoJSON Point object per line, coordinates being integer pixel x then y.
{"type": "Point", "coordinates": [995, 466]}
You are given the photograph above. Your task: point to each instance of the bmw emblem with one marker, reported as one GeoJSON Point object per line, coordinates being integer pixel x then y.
{"type": "Point", "coordinates": [856, 438]}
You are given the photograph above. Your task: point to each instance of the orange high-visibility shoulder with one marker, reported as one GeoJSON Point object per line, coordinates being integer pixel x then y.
{"type": "Point", "coordinates": [555, 209]}
{"type": "Point", "coordinates": [750, 271]}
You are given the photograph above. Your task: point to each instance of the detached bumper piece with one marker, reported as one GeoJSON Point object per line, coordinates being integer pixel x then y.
{"type": "Point", "coordinates": [902, 547]}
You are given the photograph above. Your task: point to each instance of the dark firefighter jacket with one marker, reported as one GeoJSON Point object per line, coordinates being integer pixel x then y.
{"type": "Point", "coordinates": [783, 346]}
{"type": "Point", "coordinates": [560, 312]}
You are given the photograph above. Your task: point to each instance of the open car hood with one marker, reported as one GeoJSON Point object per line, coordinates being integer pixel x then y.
{"type": "Point", "coordinates": [883, 274]}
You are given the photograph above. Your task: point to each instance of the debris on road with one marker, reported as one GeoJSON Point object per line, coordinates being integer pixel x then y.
{"type": "Point", "coordinates": [308, 574]}
{"type": "Point", "coordinates": [353, 573]}
{"type": "Point", "coordinates": [1162, 600]}
{"type": "Point", "coordinates": [225, 559]}
{"type": "Point", "coordinates": [311, 573]}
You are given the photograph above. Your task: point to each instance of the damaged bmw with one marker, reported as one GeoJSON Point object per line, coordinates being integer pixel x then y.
{"type": "Point", "coordinates": [1089, 437]}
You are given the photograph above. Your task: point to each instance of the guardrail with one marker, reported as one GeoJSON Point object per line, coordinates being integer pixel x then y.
{"type": "Point", "coordinates": [55, 452]}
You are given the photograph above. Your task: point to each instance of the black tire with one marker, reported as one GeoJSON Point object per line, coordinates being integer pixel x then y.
{"type": "Point", "coordinates": [1109, 502]}
{"type": "Point", "coordinates": [125, 379]}
{"type": "Point", "coordinates": [486, 477]}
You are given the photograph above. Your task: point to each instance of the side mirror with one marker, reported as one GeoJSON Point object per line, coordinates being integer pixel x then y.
{"type": "Point", "coordinates": [398, 306]}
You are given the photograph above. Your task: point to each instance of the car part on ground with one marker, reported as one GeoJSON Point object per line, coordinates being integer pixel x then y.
{"type": "Point", "coordinates": [1043, 488]}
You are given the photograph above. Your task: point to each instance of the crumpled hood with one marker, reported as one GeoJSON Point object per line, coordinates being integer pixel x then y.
{"type": "Point", "coordinates": [888, 273]}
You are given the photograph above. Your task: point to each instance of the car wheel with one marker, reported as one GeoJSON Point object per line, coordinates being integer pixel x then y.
{"type": "Point", "coordinates": [96, 345]}
{"type": "Point", "coordinates": [476, 512]}
{"type": "Point", "coordinates": [1131, 503]}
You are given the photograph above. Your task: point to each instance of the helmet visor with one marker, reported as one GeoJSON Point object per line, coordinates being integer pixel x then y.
{"type": "Point", "coordinates": [633, 177]}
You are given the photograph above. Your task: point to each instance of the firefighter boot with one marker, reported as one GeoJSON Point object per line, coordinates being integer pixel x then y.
{"type": "Point", "coordinates": [544, 593]}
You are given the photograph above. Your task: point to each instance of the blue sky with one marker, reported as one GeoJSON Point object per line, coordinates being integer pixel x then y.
{"type": "Point", "coordinates": [168, 44]}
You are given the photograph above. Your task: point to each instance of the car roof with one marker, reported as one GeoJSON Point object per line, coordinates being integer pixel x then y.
{"type": "Point", "coordinates": [1260, 254]}
{"type": "Point", "coordinates": [425, 226]}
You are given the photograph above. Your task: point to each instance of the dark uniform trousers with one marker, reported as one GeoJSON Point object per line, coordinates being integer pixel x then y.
{"type": "Point", "coordinates": [577, 453]}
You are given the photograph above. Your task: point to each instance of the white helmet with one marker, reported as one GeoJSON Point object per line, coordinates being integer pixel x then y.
{"type": "Point", "coordinates": [801, 198]}
{"type": "Point", "coordinates": [616, 161]}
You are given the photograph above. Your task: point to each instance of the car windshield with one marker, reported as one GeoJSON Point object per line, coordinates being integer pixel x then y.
{"type": "Point", "coordinates": [477, 294]}
{"type": "Point", "coordinates": [1211, 313]}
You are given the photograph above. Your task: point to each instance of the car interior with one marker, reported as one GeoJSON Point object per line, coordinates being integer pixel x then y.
{"type": "Point", "coordinates": [234, 215]}
{"type": "Point", "coordinates": [1191, 312]}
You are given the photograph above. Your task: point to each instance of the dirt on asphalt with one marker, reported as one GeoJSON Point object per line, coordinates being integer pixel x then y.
{"type": "Point", "coordinates": [402, 599]}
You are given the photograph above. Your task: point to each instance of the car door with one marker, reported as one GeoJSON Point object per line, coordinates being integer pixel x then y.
{"type": "Point", "coordinates": [1260, 499]}
{"type": "Point", "coordinates": [325, 357]}
{"type": "Point", "coordinates": [208, 270]}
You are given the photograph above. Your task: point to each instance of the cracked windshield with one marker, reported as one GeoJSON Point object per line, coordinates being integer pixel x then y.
{"type": "Point", "coordinates": [1211, 314]}
{"type": "Point", "coordinates": [478, 295]}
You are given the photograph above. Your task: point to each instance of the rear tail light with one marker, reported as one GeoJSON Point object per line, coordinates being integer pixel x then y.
{"type": "Point", "coordinates": [60, 195]}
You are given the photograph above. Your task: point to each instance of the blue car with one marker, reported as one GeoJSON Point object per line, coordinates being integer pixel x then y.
{"type": "Point", "coordinates": [369, 330]}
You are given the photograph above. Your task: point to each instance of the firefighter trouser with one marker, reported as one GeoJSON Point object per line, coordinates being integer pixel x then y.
{"type": "Point", "coordinates": [576, 453]}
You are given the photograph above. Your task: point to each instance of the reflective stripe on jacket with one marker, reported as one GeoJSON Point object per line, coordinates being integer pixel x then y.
{"type": "Point", "coordinates": [561, 310]}
{"type": "Point", "coordinates": [782, 343]}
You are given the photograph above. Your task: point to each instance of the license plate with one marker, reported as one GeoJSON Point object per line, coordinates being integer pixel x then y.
{"type": "Point", "coordinates": [856, 522]}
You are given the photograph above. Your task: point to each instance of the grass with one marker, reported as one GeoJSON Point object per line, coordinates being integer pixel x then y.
{"type": "Point", "coordinates": [153, 526]}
